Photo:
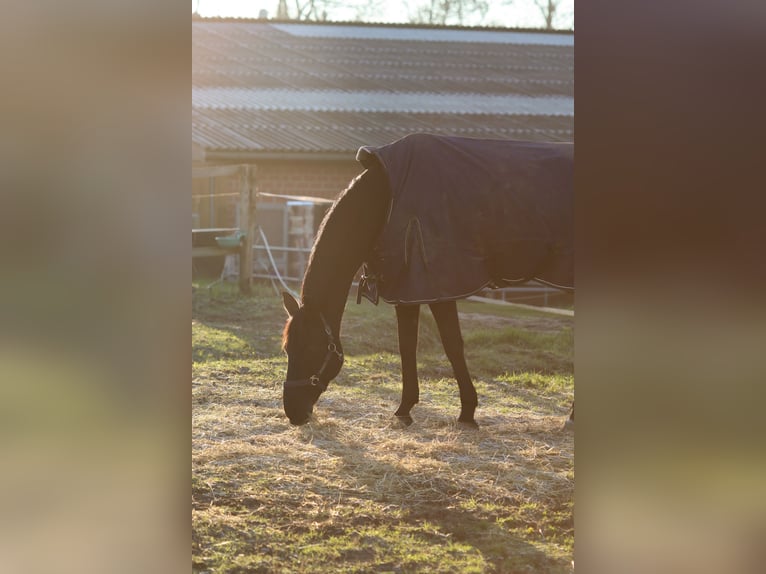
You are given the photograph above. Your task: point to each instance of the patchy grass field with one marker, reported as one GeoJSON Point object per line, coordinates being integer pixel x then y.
{"type": "Point", "coordinates": [352, 492]}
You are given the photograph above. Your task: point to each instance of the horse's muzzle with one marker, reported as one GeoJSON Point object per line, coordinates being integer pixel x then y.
{"type": "Point", "coordinates": [299, 403]}
{"type": "Point", "coordinates": [298, 421]}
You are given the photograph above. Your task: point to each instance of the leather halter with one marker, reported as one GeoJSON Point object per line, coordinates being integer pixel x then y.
{"type": "Point", "coordinates": [316, 380]}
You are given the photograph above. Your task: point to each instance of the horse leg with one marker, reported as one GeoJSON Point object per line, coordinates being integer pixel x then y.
{"type": "Point", "coordinates": [449, 330]}
{"type": "Point", "coordinates": [407, 317]}
{"type": "Point", "coordinates": [569, 423]}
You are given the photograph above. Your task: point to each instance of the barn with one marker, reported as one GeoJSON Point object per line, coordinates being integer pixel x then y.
{"type": "Point", "coordinates": [294, 101]}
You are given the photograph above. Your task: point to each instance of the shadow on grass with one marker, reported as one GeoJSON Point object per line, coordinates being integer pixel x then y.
{"type": "Point", "coordinates": [436, 516]}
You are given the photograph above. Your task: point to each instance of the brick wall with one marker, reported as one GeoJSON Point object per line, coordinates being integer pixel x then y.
{"type": "Point", "coordinates": [309, 178]}
{"type": "Point", "coordinates": [221, 210]}
{"type": "Point", "coordinates": [314, 178]}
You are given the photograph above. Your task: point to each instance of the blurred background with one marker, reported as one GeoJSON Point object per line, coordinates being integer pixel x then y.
{"type": "Point", "coordinates": [95, 357]}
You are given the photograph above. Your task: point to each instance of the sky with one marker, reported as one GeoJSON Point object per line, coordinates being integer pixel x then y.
{"type": "Point", "coordinates": [520, 14]}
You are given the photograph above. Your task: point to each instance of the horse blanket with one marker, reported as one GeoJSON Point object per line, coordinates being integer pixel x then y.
{"type": "Point", "coordinates": [470, 213]}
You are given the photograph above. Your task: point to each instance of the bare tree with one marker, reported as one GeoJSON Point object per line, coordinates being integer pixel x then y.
{"type": "Point", "coordinates": [548, 8]}
{"type": "Point", "coordinates": [436, 12]}
{"type": "Point", "coordinates": [316, 10]}
{"type": "Point", "coordinates": [442, 12]}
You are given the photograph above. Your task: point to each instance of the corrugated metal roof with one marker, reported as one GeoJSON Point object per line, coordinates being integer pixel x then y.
{"type": "Point", "coordinates": [315, 132]}
{"type": "Point", "coordinates": [264, 88]}
{"type": "Point", "coordinates": [428, 34]}
{"type": "Point", "coordinates": [363, 101]}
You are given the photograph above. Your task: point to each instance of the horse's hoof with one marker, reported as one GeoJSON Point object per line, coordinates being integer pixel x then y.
{"type": "Point", "coordinates": [403, 422]}
{"type": "Point", "coordinates": [473, 425]}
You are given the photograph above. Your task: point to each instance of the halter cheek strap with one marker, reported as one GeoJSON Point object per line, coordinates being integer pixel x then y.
{"type": "Point", "coordinates": [318, 379]}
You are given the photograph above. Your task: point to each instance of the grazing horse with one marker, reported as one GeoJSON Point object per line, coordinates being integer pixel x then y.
{"type": "Point", "coordinates": [432, 219]}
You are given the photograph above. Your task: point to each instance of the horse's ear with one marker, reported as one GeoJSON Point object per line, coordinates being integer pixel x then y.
{"type": "Point", "coordinates": [290, 304]}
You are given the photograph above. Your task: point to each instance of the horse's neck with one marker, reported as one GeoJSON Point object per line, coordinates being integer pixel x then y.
{"type": "Point", "coordinates": [344, 242]}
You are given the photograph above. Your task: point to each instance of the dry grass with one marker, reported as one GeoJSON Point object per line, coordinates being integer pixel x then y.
{"type": "Point", "coordinates": [353, 492]}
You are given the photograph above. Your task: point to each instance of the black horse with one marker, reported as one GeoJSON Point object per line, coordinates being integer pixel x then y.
{"type": "Point", "coordinates": [433, 219]}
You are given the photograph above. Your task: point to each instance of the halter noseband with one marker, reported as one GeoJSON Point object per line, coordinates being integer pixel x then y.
{"type": "Point", "coordinates": [316, 380]}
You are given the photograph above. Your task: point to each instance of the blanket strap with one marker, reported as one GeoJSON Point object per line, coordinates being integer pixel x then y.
{"type": "Point", "coordinates": [368, 286]}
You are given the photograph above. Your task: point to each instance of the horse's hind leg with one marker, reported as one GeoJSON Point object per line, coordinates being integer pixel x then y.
{"type": "Point", "coordinates": [449, 331]}
{"type": "Point", "coordinates": [569, 423]}
{"type": "Point", "coordinates": [407, 317]}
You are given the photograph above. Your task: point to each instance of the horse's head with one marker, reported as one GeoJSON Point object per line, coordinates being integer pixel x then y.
{"type": "Point", "coordinates": [314, 358]}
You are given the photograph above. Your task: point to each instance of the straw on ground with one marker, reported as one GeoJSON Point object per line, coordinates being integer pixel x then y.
{"type": "Point", "coordinates": [353, 492]}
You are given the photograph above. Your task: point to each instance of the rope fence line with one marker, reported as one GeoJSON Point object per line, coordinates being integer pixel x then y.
{"type": "Point", "coordinates": [552, 310]}
{"type": "Point", "coordinates": [300, 198]}
{"type": "Point", "coordinates": [474, 298]}
{"type": "Point", "coordinates": [277, 277]}
{"type": "Point", "coordinates": [265, 268]}
{"type": "Point", "coordinates": [194, 195]}
{"type": "Point", "coordinates": [274, 264]}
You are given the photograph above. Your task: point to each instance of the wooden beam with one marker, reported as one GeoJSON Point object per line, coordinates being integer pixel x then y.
{"type": "Point", "coordinates": [246, 224]}
{"type": "Point", "coordinates": [297, 197]}
{"type": "Point", "coordinates": [215, 171]}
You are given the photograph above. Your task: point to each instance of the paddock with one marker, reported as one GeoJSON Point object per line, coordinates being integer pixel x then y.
{"type": "Point", "coordinates": [351, 491]}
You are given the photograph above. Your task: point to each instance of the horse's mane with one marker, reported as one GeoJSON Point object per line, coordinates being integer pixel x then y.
{"type": "Point", "coordinates": [286, 333]}
{"type": "Point", "coordinates": [336, 214]}
{"type": "Point", "coordinates": [346, 234]}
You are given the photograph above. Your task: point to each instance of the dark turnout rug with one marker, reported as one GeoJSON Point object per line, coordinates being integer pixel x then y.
{"type": "Point", "coordinates": [470, 213]}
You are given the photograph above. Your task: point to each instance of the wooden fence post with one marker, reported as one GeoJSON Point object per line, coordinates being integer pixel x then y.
{"type": "Point", "coordinates": [247, 224]}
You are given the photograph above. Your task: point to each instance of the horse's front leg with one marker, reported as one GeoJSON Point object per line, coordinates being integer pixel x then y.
{"type": "Point", "coordinates": [407, 317]}
{"type": "Point", "coordinates": [449, 330]}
